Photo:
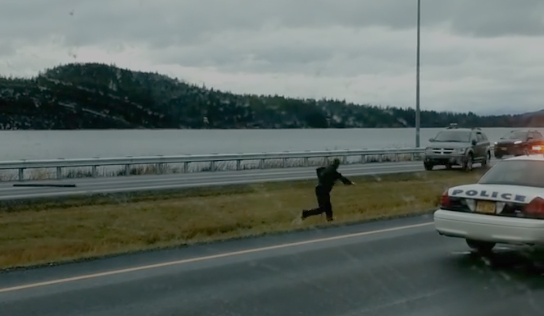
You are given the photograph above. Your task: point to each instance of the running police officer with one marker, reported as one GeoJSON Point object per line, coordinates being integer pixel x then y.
{"type": "Point", "coordinates": [327, 177]}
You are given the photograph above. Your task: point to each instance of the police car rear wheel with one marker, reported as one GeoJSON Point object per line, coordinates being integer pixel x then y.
{"type": "Point", "coordinates": [480, 246]}
{"type": "Point", "coordinates": [428, 166]}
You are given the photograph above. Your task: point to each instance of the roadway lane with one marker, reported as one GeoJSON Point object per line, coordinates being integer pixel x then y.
{"type": "Point", "coordinates": [86, 186]}
{"type": "Point", "coordinates": [397, 267]}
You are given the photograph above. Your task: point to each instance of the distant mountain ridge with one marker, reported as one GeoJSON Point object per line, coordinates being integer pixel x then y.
{"type": "Point", "coordinates": [99, 96]}
{"type": "Point", "coordinates": [540, 112]}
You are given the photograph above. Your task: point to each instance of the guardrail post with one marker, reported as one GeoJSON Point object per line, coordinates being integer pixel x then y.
{"type": "Point", "coordinates": [306, 162]}
{"type": "Point", "coordinates": [21, 174]}
{"type": "Point", "coordinates": [94, 171]}
{"type": "Point", "coordinates": [380, 159]}
{"type": "Point", "coordinates": [261, 164]}
{"type": "Point", "coordinates": [238, 164]}
{"type": "Point", "coordinates": [212, 165]}
{"type": "Point", "coordinates": [397, 157]}
{"type": "Point", "coordinates": [186, 167]}
{"type": "Point", "coordinates": [344, 159]}
{"type": "Point", "coordinates": [363, 158]}
{"type": "Point", "coordinates": [284, 163]}
{"type": "Point", "coordinates": [127, 170]}
{"type": "Point", "coordinates": [59, 172]}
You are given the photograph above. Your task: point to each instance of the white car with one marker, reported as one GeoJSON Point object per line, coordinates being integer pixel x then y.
{"type": "Point", "coordinates": [505, 206]}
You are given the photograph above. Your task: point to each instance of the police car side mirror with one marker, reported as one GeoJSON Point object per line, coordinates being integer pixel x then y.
{"type": "Point", "coordinates": [474, 142]}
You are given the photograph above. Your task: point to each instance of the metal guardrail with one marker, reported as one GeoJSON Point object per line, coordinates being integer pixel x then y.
{"type": "Point", "coordinates": [162, 161]}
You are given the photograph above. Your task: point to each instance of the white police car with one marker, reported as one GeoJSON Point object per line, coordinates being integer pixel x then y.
{"type": "Point", "coordinates": [505, 206]}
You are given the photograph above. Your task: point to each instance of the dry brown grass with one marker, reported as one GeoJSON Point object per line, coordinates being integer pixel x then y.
{"type": "Point", "coordinates": [51, 231]}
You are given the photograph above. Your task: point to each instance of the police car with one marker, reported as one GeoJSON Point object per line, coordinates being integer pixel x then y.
{"type": "Point", "coordinates": [505, 206]}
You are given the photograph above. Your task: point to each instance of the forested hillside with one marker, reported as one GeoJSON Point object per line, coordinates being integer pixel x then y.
{"type": "Point", "coordinates": [99, 96]}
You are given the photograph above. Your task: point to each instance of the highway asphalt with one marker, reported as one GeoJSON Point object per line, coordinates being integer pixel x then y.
{"type": "Point", "coordinates": [386, 268]}
{"type": "Point", "coordinates": [86, 186]}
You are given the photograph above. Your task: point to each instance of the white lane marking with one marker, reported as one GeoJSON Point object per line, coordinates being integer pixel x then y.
{"type": "Point", "coordinates": [200, 176]}
{"type": "Point", "coordinates": [211, 257]}
{"type": "Point", "coordinates": [156, 187]}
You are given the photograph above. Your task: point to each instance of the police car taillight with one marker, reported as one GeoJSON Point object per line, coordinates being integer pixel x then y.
{"type": "Point", "coordinates": [535, 208]}
{"type": "Point", "coordinates": [445, 201]}
{"type": "Point", "coordinates": [537, 148]}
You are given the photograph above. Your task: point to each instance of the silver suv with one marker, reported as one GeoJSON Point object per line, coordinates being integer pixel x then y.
{"type": "Point", "coordinates": [458, 146]}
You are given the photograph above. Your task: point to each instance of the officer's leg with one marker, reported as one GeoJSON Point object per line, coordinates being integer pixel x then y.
{"type": "Point", "coordinates": [321, 201]}
{"type": "Point", "coordinates": [318, 210]}
{"type": "Point", "coordinates": [327, 207]}
{"type": "Point", "coordinates": [312, 212]}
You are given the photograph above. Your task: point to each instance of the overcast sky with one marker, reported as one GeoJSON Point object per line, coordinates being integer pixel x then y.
{"type": "Point", "coordinates": [486, 56]}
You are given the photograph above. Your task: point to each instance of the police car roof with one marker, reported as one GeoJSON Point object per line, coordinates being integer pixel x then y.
{"type": "Point", "coordinates": [539, 157]}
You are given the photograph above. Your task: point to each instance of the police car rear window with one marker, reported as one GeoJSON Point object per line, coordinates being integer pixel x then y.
{"type": "Point", "coordinates": [516, 172]}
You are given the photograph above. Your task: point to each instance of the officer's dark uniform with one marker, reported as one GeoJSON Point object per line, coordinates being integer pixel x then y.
{"type": "Point", "coordinates": [327, 177]}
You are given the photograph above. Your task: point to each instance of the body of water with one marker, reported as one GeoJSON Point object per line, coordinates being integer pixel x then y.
{"type": "Point", "coordinates": [118, 143]}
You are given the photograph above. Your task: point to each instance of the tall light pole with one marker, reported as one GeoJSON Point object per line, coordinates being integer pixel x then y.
{"type": "Point", "coordinates": [417, 72]}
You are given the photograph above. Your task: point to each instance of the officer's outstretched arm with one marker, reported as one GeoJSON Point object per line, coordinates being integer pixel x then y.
{"type": "Point", "coordinates": [344, 179]}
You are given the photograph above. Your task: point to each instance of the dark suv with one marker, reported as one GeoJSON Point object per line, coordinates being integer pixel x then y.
{"type": "Point", "coordinates": [458, 146]}
{"type": "Point", "coordinates": [517, 142]}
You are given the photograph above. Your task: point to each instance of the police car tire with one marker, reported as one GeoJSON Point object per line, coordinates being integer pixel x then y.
{"type": "Point", "coordinates": [480, 246]}
{"type": "Point", "coordinates": [428, 166]}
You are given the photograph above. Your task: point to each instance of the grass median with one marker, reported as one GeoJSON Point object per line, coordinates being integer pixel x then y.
{"type": "Point", "coordinates": [77, 228]}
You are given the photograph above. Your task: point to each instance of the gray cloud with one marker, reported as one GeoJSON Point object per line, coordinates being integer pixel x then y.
{"type": "Point", "coordinates": [6, 49]}
{"type": "Point", "coordinates": [499, 17]}
{"type": "Point", "coordinates": [171, 22]}
{"type": "Point", "coordinates": [361, 50]}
